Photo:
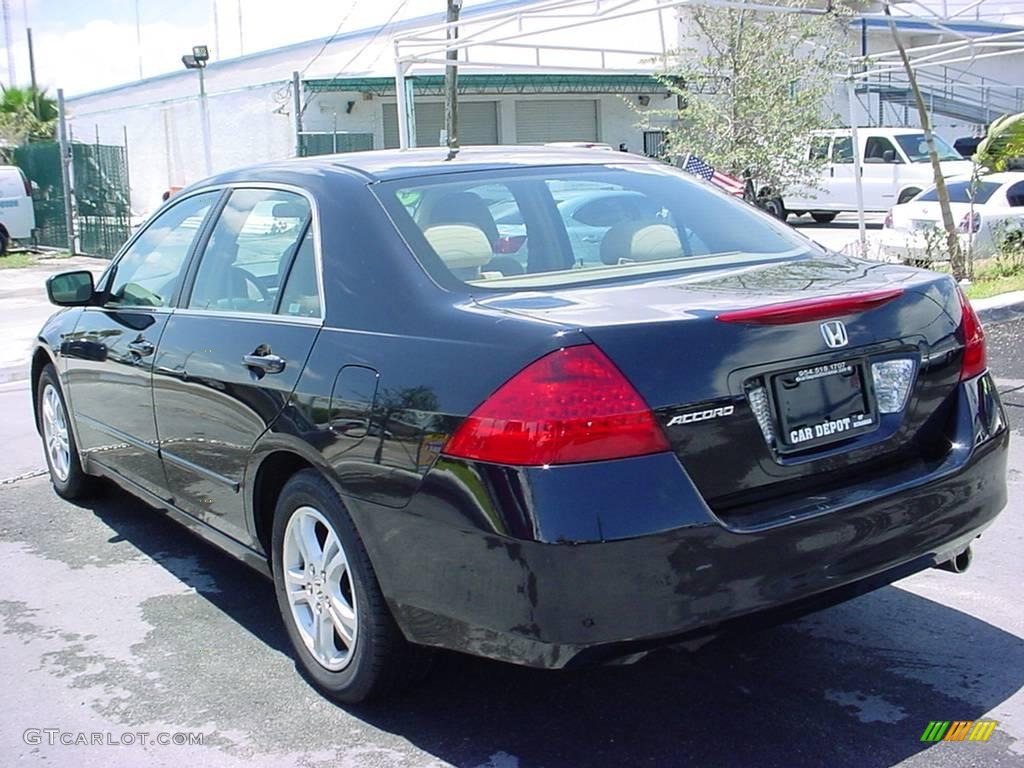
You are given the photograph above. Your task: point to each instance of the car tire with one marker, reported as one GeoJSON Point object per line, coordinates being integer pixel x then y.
{"type": "Point", "coordinates": [5, 241]}
{"type": "Point", "coordinates": [311, 521]}
{"type": "Point", "coordinates": [824, 218]}
{"type": "Point", "coordinates": [907, 195]}
{"type": "Point", "coordinates": [775, 207]}
{"type": "Point", "coordinates": [54, 423]}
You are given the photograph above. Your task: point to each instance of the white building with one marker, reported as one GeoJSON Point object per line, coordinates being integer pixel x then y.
{"type": "Point", "coordinates": [537, 94]}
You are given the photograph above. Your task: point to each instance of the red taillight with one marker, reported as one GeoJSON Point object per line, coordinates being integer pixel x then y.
{"type": "Point", "coordinates": [804, 310]}
{"type": "Point", "coordinates": [887, 223]}
{"type": "Point", "coordinates": [569, 406]}
{"type": "Point", "coordinates": [973, 336]}
{"type": "Point", "coordinates": [27, 183]}
{"type": "Point", "coordinates": [971, 222]}
{"type": "Point", "coordinates": [509, 243]}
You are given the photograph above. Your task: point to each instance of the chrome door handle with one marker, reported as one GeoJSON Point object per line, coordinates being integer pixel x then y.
{"type": "Point", "coordinates": [265, 363]}
{"type": "Point", "coordinates": [141, 347]}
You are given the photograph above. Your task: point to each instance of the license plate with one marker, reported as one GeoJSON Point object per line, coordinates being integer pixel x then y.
{"type": "Point", "coordinates": [821, 404]}
{"type": "Point", "coordinates": [920, 225]}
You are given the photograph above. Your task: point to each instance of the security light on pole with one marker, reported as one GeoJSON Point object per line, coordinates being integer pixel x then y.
{"type": "Point", "coordinates": [197, 61]}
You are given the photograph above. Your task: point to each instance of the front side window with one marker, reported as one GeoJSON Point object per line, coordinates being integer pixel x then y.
{"type": "Point", "coordinates": [250, 251]}
{"type": "Point", "coordinates": [149, 273]}
{"type": "Point", "coordinates": [554, 226]}
{"type": "Point", "coordinates": [879, 149]}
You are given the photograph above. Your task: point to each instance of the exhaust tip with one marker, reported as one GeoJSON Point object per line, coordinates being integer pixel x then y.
{"type": "Point", "coordinates": [960, 563]}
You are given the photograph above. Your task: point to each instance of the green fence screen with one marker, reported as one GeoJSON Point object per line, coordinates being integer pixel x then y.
{"type": "Point", "coordinates": [41, 164]}
{"type": "Point", "coordinates": [102, 211]}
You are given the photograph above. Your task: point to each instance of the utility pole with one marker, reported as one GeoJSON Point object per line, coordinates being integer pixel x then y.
{"type": "Point", "coordinates": [451, 80]}
{"type": "Point", "coordinates": [32, 72]}
{"type": "Point", "coordinates": [297, 111]}
{"type": "Point", "coordinates": [65, 171]}
{"type": "Point", "coordinates": [241, 40]}
{"type": "Point", "coordinates": [8, 40]}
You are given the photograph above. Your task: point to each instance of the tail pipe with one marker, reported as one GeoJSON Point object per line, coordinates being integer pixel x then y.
{"type": "Point", "coordinates": [958, 564]}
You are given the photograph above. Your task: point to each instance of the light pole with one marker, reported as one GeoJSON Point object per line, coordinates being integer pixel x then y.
{"type": "Point", "coordinates": [197, 61]}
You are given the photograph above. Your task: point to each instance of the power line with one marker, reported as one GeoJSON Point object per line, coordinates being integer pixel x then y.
{"type": "Point", "coordinates": [361, 51]}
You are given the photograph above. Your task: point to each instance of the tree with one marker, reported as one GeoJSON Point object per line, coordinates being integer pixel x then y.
{"type": "Point", "coordinates": [26, 113]}
{"type": "Point", "coordinates": [956, 256]}
{"type": "Point", "coordinates": [1003, 143]}
{"type": "Point", "coordinates": [753, 88]}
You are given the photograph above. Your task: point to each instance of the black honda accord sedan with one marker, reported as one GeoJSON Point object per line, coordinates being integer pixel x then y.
{"type": "Point", "coordinates": [443, 411]}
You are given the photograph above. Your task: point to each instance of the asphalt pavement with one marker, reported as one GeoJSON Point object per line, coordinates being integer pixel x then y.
{"type": "Point", "coordinates": [118, 623]}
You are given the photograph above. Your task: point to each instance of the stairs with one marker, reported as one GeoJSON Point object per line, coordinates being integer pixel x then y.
{"type": "Point", "coordinates": [950, 92]}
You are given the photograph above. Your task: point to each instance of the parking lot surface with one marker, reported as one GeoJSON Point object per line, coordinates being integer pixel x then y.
{"type": "Point", "coordinates": [117, 622]}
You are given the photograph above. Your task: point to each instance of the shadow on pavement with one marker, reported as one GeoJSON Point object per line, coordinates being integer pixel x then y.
{"type": "Point", "coordinates": [854, 686]}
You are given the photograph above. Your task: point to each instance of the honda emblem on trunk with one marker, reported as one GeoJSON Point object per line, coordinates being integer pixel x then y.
{"type": "Point", "coordinates": [834, 333]}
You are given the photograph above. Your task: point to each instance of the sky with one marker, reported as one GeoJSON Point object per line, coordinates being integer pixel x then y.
{"type": "Point", "coordinates": [84, 45]}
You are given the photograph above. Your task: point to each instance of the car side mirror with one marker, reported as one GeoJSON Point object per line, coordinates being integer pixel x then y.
{"type": "Point", "coordinates": [71, 289]}
{"type": "Point", "coordinates": [889, 156]}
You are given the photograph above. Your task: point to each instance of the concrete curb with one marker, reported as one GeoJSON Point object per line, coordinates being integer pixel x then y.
{"type": "Point", "coordinates": [1000, 309]}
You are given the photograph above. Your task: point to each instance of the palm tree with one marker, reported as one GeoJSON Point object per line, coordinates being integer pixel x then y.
{"type": "Point", "coordinates": [1003, 143]}
{"type": "Point", "coordinates": [28, 111]}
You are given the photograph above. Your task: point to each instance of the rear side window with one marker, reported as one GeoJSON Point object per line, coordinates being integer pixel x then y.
{"type": "Point", "coordinates": [963, 192]}
{"type": "Point", "coordinates": [1015, 195]}
{"type": "Point", "coordinates": [547, 227]}
{"type": "Point", "coordinates": [842, 150]}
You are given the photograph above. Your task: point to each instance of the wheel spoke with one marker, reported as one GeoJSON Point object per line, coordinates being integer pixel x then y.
{"type": "Point", "coordinates": [343, 618]}
{"type": "Point", "coordinates": [309, 547]}
{"type": "Point", "coordinates": [295, 577]}
{"type": "Point", "coordinates": [335, 563]}
{"type": "Point", "coordinates": [323, 634]}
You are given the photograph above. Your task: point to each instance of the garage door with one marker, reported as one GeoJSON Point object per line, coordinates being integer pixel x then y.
{"type": "Point", "coordinates": [538, 122]}
{"type": "Point", "coordinates": [478, 123]}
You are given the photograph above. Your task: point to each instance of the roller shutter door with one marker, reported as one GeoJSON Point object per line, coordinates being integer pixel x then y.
{"type": "Point", "coordinates": [538, 122]}
{"type": "Point", "coordinates": [478, 123]}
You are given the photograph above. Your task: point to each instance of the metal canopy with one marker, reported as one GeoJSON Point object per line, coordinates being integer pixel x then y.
{"type": "Point", "coordinates": [433, 85]}
{"type": "Point", "coordinates": [527, 29]}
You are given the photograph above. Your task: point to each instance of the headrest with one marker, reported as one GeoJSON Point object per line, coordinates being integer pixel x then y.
{"type": "Point", "coordinates": [290, 210]}
{"type": "Point", "coordinates": [460, 246]}
{"type": "Point", "coordinates": [639, 241]}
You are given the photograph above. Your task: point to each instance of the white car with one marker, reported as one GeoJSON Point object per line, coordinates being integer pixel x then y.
{"type": "Point", "coordinates": [894, 168]}
{"type": "Point", "coordinates": [17, 216]}
{"type": "Point", "coordinates": [988, 212]}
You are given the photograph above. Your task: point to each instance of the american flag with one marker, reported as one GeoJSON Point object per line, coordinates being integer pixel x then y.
{"type": "Point", "coordinates": [700, 167]}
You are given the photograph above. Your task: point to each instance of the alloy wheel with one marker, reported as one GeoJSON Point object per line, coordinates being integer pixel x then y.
{"type": "Point", "coordinates": [55, 433]}
{"type": "Point", "coordinates": [320, 590]}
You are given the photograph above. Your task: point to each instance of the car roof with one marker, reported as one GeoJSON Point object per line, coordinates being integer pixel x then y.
{"type": "Point", "coordinates": [381, 165]}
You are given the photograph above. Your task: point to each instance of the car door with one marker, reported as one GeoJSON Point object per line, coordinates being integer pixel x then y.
{"type": "Point", "coordinates": [881, 162]}
{"type": "Point", "coordinates": [842, 181]}
{"type": "Point", "coordinates": [232, 352]}
{"type": "Point", "coordinates": [109, 356]}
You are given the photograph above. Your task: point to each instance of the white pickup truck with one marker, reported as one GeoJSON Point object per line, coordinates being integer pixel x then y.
{"type": "Point", "coordinates": [894, 168]}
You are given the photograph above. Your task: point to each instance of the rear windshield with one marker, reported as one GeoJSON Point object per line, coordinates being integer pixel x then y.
{"type": "Point", "coordinates": [549, 227]}
{"type": "Point", "coordinates": [962, 192]}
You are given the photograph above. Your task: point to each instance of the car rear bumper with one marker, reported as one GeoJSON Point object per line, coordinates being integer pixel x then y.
{"type": "Point", "coordinates": [498, 564]}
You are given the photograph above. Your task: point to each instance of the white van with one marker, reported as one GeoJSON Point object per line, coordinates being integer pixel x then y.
{"type": "Point", "coordinates": [17, 216]}
{"type": "Point", "coordinates": [894, 168]}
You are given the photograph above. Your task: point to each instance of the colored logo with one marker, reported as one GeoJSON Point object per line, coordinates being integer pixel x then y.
{"type": "Point", "coordinates": [959, 730]}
